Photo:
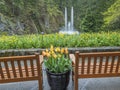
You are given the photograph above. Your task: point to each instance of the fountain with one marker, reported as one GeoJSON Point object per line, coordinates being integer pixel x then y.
{"type": "Point", "coordinates": [69, 26]}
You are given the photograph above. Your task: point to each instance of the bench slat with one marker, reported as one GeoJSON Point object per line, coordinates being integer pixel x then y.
{"type": "Point", "coordinates": [94, 67]}
{"type": "Point", "coordinates": [91, 70]}
{"type": "Point", "coordinates": [17, 58]}
{"type": "Point", "coordinates": [20, 69]}
{"type": "Point", "coordinates": [7, 69]}
{"type": "Point", "coordinates": [31, 64]}
{"type": "Point", "coordinates": [17, 72]}
{"type": "Point", "coordinates": [1, 71]}
{"type": "Point", "coordinates": [89, 61]}
{"type": "Point", "coordinates": [100, 65]}
{"type": "Point", "coordinates": [19, 79]}
{"type": "Point", "coordinates": [106, 64]}
{"type": "Point", "coordinates": [13, 68]}
{"type": "Point", "coordinates": [112, 64]}
{"type": "Point", "coordinates": [38, 68]}
{"type": "Point", "coordinates": [26, 67]}
{"type": "Point", "coordinates": [118, 65]}
{"type": "Point", "coordinates": [100, 54]}
{"type": "Point", "coordinates": [99, 75]}
{"type": "Point", "coordinates": [83, 62]}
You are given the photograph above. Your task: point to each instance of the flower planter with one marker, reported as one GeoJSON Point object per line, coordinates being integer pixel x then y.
{"type": "Point", "coordinates": [58, 81]}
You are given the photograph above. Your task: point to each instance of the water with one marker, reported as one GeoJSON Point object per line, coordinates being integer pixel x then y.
{"type": "Point", "coordinates": [69, 26]}
{"type": "Point", "coordinates": [65, 18]}
{"type": "Point", "coordinates": [72, 23]}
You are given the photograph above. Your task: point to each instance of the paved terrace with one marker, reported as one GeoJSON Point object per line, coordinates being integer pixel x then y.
{"type": "Point", "coordinates": [84, 84]}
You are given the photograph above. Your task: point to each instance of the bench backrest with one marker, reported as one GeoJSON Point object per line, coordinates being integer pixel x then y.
{"type": "Point", "coordinates": [20, 68]}
{"type": "Point", "coordinates": [98, 64]}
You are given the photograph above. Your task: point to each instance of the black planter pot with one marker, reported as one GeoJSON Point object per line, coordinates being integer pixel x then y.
{"type": "Point", "coordinates": [58, 81]}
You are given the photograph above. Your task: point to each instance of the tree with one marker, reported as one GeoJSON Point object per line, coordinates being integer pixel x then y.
{"type": "Point", "coordinates": [91, 22]}
{"type": "Point", "coordinates": [112, 16]}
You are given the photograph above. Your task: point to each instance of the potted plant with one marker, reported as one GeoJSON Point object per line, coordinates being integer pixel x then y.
{"type": "Point", "coordinates": [58, 67]}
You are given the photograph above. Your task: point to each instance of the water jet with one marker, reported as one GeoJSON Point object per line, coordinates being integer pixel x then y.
{"type": "Point", "coordinates": [69, 25]}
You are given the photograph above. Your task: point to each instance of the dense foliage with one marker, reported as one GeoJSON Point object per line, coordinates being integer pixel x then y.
{"type": "Point", "coordinates": [112, 16]}
{"type": "Point", "coordinates": [60, 40]}
{"type": "Point", "coordinates": [28, 16]}
{"type": "Point", "coordinates": [36, 16]}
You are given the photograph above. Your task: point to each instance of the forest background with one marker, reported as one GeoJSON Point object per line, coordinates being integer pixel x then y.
{"type": "Point", "coordinates": [36, 16]}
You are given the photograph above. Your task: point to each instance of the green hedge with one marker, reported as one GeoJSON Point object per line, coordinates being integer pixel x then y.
{"type": "Point", "coordinates": [61, 40]}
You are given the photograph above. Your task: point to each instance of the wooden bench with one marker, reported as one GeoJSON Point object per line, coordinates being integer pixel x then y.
{"type": "Point", "coordinates": [21, 68]}
{"type": "Point", "coordinates": [95, 65]}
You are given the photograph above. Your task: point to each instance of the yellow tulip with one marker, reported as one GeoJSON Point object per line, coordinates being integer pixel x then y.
{"type": "Point", "coordinates": [52, 52]}
{"type": "Point", "coordinates": [66, 51]}
{"type": "Point", "coordinates": [57, 49]}
{"type": "Point", "coordinates": [43, 53]}
{"type": "Point", "coordinates": [51, 48]}
{"type": "Point", "coordinates": [47, 50]}
{"type": "Point", "coordinates": [48, 54]}
{"type": "Point", "coordinates": [54, 55]}
{"type": "Point", "coordinates": [62, 50]}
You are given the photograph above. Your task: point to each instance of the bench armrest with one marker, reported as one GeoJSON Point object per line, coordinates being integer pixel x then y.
{"type": "Point", "coordinates": [72, 57]}
{"type": "Point", "coordinates": [41, 60]}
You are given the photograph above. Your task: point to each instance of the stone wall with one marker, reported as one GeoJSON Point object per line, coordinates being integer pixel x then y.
{"type": "Point", "coordinates": [18, 52]}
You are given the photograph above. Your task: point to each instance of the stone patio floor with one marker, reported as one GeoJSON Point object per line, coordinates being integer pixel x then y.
{"type": "Point", "coordinates": [84, 84]}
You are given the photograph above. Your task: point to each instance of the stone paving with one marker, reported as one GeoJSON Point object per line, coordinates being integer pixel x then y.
{"type": "Point", "coordinates": [84, 84]}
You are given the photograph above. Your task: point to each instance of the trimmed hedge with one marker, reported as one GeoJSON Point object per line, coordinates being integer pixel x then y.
{"type": "Point", "coordinates": [61, 40]}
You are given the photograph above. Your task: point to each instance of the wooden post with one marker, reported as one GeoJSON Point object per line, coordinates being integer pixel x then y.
{"type": "Point", "coordinates": [39, 71]}
{"type": "Point", "coordinates": [76, 71]}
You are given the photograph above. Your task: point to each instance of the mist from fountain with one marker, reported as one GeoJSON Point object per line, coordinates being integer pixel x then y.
{"type": "Point", "coordinates": [69, 26]}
